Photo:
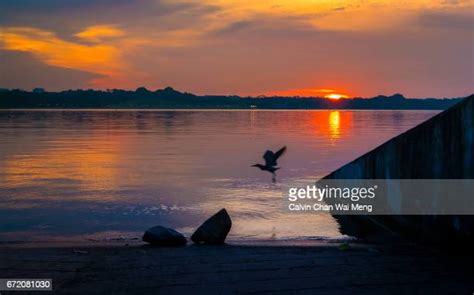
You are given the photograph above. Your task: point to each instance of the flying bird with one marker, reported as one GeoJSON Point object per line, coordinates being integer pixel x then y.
{"type": "Point", "coordinates": [271, 162]}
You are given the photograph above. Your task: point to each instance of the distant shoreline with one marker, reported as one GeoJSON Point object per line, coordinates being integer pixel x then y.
{"type": "Point", "coordinates": [170, 99]}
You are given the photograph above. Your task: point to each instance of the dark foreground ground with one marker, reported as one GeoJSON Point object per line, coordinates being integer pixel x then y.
{"type": "Point", "coordinates": [322, 269]}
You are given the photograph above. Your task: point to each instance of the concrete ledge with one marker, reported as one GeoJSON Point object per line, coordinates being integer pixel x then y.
{"type": "Point", "coordinates": [440, 148]}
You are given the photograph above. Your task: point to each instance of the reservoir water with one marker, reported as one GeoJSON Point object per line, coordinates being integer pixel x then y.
{"type": "Point", "coordinates": [106, 174]}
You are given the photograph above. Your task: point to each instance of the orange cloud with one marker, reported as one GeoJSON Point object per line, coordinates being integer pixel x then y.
{"type": "Point", "coordinates": [341, 15]}
{"type": "Point", "coordinates": [104, 59]}
{"type": "Point", "coordinates": [97, 33]}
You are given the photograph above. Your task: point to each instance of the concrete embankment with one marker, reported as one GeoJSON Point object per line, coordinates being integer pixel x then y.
{"type": "Point", "coordinates": [440, 148]}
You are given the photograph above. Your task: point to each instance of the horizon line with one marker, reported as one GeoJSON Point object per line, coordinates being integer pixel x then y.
{"type": "Point", "coordinates": [39, 90]}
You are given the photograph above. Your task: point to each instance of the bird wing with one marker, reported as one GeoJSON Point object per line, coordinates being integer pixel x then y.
{"type": "Point", "coordinates": [279, 153]}
{"type": "Point", "coordinates": [269, 158]}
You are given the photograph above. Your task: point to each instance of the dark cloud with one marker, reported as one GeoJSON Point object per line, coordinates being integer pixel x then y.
{"type": "Point", "coordinates": [54, 5]}
{"type": "Point", "coordinates": [451, 2]}
{"type": "Point", "coordinates": [237, 27]}
{"type": "Point", "coordinates": [447, 19]}
{"type": "Point", "coordinates": [264, 25]}
{"type": "Point", "coordinates": [67, 17]}
{"type": "Point", "coordinates": [22, 70]}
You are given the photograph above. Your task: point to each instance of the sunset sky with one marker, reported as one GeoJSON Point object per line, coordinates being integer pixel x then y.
{"type": "Point", "coordinates": [362, 48]}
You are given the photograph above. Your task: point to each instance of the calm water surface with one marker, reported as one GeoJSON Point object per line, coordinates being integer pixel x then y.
{"type": "Point", "coordinates": [82, 175]}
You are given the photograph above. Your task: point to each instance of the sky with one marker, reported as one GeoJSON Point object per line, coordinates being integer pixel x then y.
{"type": "Point", "coordinates": [362, 48]}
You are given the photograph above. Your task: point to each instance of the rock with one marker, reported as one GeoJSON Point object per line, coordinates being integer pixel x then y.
{"type": "Point", "coordinates": [163, 236]}
{"type": "Point", "coordinates": [214, 230]}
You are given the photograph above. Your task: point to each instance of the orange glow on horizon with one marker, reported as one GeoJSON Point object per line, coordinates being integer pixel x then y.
{"type": "Point", "coordinates": [311, 92]}
{"type": "Point", "coordinates": [336, 96]}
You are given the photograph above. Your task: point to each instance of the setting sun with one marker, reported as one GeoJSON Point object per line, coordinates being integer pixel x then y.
{"type": "Point", "coordinates": [336, 96]}
{"type": "Point", "coordinates": [330, 93]}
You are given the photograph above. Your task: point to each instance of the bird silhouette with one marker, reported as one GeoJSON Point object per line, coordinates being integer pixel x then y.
{"type": "Point", "coordinates": [271, 162]}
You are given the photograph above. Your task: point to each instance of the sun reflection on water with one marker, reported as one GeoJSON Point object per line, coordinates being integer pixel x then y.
{"type": "Point", "coordinates": [334, 125]}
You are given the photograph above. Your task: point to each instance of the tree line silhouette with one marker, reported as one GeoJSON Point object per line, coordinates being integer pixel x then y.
{"type": "Point", "coordinates": [168, 98]}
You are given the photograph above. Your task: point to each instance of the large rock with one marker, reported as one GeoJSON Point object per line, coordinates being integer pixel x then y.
{"type": "Point", "coordinates": [163, 236]}
{"type": "Point", "coordinates": [214, 230]}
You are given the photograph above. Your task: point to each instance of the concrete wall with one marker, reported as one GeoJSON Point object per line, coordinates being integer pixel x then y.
{"type": "Point", "coordinates": [440, 148]}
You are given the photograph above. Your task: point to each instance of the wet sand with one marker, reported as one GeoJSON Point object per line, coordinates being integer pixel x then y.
{"type": "Point", "coordinates": [304, 269]}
